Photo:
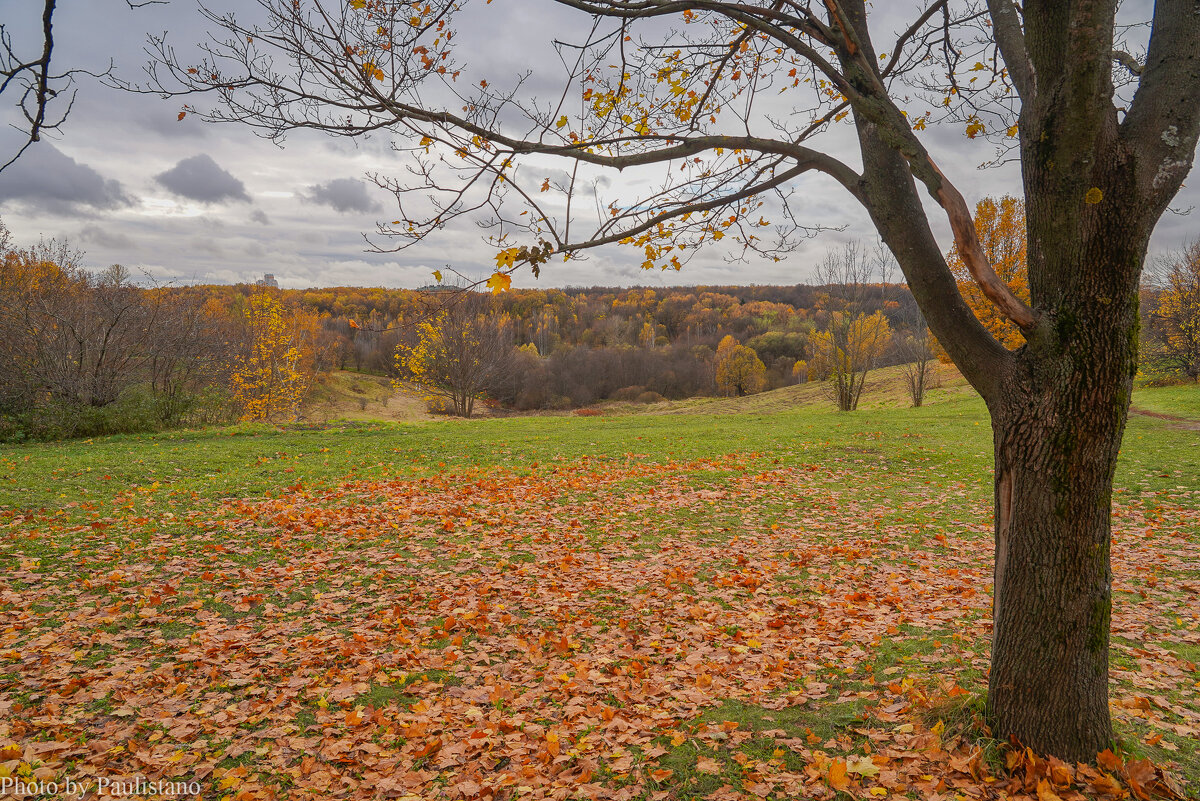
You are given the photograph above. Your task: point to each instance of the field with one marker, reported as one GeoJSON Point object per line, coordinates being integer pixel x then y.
{"type": "Point", "coordinates": [753, 598]}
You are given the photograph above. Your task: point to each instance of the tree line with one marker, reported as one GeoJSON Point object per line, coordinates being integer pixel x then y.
{"type": "Point", "coordinates": [85, 353]}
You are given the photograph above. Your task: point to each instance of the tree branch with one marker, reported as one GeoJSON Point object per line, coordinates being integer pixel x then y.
{"type": "Point", "coordinates": [1163, 122]}
{"type": "Point", "coordinates": [1010, 38]}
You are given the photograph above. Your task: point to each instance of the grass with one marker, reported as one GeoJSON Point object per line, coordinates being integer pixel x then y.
{"type": "Point", "coordinates": [509, 560]}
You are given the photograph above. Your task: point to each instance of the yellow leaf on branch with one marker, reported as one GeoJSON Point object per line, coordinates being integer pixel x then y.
{"type": "Point", "coordinates": [499, 282]}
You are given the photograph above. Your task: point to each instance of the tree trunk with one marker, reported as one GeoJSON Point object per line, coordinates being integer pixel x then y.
{"type": "Point", "coordinates": [1058, 428]}
{"type": "Point", "coordinates": [1053, 587]}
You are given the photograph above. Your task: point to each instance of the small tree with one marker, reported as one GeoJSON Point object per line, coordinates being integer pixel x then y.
{"type": "Point", "coordinates": [852, 340]}
{"type": "Point", "coordinates": [275, 369]}
{"type": "Point", "coordinates": [461, 353]}
{"type": "Point", "coordinates": [740, 371]}
{"type": "Point", "coordinates": [847, 350]}
{"type": "Point", "coordinates": [919, 363]}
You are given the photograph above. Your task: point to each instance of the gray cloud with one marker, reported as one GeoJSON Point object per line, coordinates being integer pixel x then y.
{"type": "Point", "coordinates": [343, 195]}
{"type": "Point", "coordinates": [46, 179]}
{"type": "Point", "coordinates": [260, 217]}
{"type": "Point", "coordinates": [105, 237]}
{"type": "Point", "coordinates": [201, 179]}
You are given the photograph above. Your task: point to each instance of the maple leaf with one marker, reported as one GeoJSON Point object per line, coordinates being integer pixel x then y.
{"type": "Point", "coordinates": [863, 766]}
{"type": "Point", "coordinates": [499, 282]}
{"type": "Point", "coordinates": [1109, 761]}
{"type": "Point", "coordinates": [1045, 792]}
{"type": "Point", "coordinates": [507, 258]}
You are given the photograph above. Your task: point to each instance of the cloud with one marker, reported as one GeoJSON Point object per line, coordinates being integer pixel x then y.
{"type": "Point", "coordinates": [343, 195]}
{"type": "Point", "coordinates": [49, 180]}
{"type": "Point", "coordinates": [105, 237]}
{"type": "Point", "coordinates": [260, 217]}
{"type": "Point", "coordinates": [201, 179]}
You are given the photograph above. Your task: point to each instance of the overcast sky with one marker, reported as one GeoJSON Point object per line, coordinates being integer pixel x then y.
{"type": "Point", "coordinates": [126, 182]}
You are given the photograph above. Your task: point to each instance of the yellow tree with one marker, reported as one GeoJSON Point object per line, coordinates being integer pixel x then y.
{"type": "Point", "coordinates": [274, 370]}
{"type": "Point", "coordinates": [1000, 226]}
{"type": "Point", "coordinates": [459, 354]}
{"type": "Point", "coordinates": [846, 351]}
{"type": "Point", "coordinates": [739, 370]}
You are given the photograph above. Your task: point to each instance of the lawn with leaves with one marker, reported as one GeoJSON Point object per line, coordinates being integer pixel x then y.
{"type": "Point", "coordinates": [786, 605]}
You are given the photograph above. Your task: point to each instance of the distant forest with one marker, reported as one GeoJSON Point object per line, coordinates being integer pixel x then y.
{"type": "Point", "coordinates": [583, 345]}
{"type": "Point", "coordinates": [84, 353]}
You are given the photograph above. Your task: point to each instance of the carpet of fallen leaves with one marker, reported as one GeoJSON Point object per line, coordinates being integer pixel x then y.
{"type": "Point", "coordinates": [604, 629]}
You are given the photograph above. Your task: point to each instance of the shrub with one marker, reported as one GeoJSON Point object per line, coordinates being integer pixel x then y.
{"type": "Point", "coordinates": [630, 393]}
{"type": "Point", "coordinates": [435, 404]}
{"type": "Point", "coordinates": [588, 412]}
{"type": "Point", "coordinates": [650, 397]}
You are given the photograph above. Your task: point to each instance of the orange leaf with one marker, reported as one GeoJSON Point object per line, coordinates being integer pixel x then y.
{"type": "Point", "coordinates": [1109, 761]}
{"type": "Point", "coordinates": [1140, 774]}
{"type": "Point", "coordinates": [838, 778]}
{"type": "Point", "coordinates": [429, 747]}
{"type": "Point", "coordinates": [1045, 793]}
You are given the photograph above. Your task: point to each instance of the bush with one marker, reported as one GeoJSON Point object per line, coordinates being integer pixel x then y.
{"type": "Point", "coordinates": [630, 393]}
{"type": "Point", "coordinates": [650, 397]}
{"type": "Point", "coordinates": [135, 411]}
{"type": "Point", "coordinates": [436, 404]}
{"type": "Point", "coordinates": [588, 412]}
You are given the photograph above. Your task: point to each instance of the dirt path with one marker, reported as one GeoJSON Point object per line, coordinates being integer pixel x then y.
{"type": "Point", "coordinates": [1181, 422]}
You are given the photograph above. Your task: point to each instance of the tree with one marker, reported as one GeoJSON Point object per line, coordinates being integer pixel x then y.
{"type": "Point", "coordinates": [461, 353]}
{"type": "Point", "coordinates": [274, 370]}
{"type": "Point", "coordinates": [724, 100]}
{"type": "Point", "coordinates": [920, 362]}
{"type": "Point", "coordinates": [740, 371]}
{"type": "Point", "coordinates": [852, 340]}
{"type": "Point", "coordinates": [1000, 228]}
{"type": "Point", "coordinates": [1175, 322]}
{"type": "Point", "coordinates": [846, 350]}
{"type": "Point", "coordinates": [67, 335]}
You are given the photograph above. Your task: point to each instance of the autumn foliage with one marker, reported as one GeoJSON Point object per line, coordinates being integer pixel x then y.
{"type": "Point", "coordinates": [739, 370]}
{"type": "Point", "coordinates": [1000, 225]}
{"type": "Point", "coordinates": [276, 362]}
{"type": "Point", "coordinates": [1174, 329]}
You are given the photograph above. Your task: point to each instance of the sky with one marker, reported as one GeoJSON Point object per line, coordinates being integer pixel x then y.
{"type": "Point", "coordinates": [125, 181]}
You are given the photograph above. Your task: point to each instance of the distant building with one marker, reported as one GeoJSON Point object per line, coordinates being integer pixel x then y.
{"type": "Point", "coordinates": [268, 280]}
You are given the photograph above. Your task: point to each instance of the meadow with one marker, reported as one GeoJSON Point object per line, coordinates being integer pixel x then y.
{"type": "Point", "coordinates": [743, 598]}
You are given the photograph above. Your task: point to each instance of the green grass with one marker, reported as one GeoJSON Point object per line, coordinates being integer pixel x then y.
{"type": "Point", "coordinates": [794, 424]}
{"type": "Point", "coordinates": [1182, 400]}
